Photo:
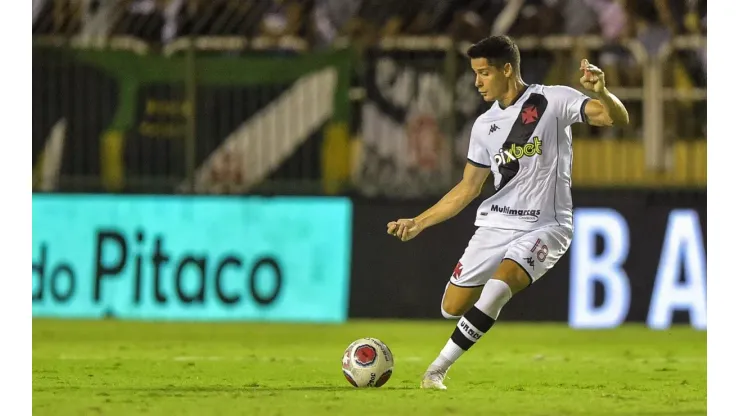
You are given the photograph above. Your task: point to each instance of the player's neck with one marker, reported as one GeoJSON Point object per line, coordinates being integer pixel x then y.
{"type": "Point", "coordinates": [516, 89]}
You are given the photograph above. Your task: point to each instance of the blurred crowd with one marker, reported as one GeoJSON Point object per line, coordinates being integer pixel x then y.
{"type": "Point", "coordinates": [320, 22]}
{"type": "Point", "coordinates": [316, 24]}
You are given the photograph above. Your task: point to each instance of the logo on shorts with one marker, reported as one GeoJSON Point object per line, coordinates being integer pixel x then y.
{"type": "Point", "coordinates": [530, 261]}
{"type": "Point", "coordinates": [528, 215]}
{"type": "Point", "coordinates": [458, 270]}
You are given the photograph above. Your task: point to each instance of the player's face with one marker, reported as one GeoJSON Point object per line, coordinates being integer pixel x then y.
{"type": "Point", "coordinates": [490, 82]}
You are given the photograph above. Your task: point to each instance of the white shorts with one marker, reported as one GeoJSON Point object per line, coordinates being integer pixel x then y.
{"type": "Point", "coordinates": [536, 251]}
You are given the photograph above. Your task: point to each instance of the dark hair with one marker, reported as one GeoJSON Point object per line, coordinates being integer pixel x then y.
{"type": "Point", "coordinates": [498, 50]}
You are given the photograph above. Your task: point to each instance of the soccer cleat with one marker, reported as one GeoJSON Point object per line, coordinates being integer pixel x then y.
{"type": "Point", "coordinates": [433, 380]}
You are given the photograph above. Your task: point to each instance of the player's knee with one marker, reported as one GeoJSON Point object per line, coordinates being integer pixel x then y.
{"type": "Point", "coordinates": [450, 310]}
{"type": "Point", "coordinates": [513, 275]}
{"type": "Point", "coordinates": [448, 315]}
{"type": "Point", "coordinates": [496, 294]}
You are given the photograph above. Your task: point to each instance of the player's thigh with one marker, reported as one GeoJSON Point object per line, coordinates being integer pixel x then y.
{"type": "Point", "coordinates": [514, 275]}
{"type": "Point", "coordinates": [477, 265]}
{"type": "Point", "coordinates": [530, 256]}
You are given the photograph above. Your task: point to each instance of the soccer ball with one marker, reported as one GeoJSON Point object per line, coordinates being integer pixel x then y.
{"type": "Point", "coordinates": [367, 362]}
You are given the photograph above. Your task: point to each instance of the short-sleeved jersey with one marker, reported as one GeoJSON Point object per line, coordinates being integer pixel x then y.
{"type": "Point", "coordinates": [528, 147]}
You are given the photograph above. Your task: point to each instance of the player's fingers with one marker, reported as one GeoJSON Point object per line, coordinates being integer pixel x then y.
{"type": "Point", "coordinates": [587, 82]}
{"type": "Point", "coordinates": [399, 230]}
{"type": "Point", "coordinates": [584, 63]}
{"type": "Point", "coordinates": [404, 236]}
{"type": "Point", "coordinates": [595, 70]}
{"type": "Point", "coordinates": [391, 227]}
{"type": "Point", "coordinates": [589, 76]}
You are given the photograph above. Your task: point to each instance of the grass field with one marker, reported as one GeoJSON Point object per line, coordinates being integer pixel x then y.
{"type": "Point", "coordinates": [117, 368]}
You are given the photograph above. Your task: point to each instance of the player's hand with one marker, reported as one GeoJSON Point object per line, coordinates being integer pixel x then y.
{"type": "Point", "coordinates": [404, 229]}
{"type": "Point", "coordinates": [593, 77]}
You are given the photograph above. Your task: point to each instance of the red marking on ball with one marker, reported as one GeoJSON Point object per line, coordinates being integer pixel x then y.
{"type": "Point", "coordinates": [365, 355]}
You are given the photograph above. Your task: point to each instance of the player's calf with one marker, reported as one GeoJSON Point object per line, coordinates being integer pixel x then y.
{"type": "Point", "coordinates": [509, 279]}
{"type": "Point", "coordinates": [474, 323]}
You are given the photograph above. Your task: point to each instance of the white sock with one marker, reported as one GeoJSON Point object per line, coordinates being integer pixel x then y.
{"type": "Point", "coordinates": [474, 324]}
{"type": "Point", "coordinates": [449, 354]}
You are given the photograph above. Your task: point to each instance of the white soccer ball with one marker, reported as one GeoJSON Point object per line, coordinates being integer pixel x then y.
{"type": "Point", "coordinates": [367, 362]}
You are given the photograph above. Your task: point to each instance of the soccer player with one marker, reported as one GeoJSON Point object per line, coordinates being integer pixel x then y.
{"type": "Point", "coordinates": [526, 226]}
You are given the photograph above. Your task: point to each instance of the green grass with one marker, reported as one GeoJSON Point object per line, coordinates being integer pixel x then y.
{"type": "Point", "coordinates": [124, 368]}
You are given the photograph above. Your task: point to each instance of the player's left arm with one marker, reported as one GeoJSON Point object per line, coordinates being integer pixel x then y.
{"type": "Point", "coordinates": [606, 109]}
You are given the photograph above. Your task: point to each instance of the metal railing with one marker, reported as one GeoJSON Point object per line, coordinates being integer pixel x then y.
{"type": "Point", "coordinates": [92, 156]}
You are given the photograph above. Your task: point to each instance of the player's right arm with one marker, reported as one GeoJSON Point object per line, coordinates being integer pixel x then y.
{"type": "Point", "coordinates": [450, 205]}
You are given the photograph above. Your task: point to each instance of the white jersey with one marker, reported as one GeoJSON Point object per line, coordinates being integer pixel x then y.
{"type": "Point", "coordinates": [528, 147]}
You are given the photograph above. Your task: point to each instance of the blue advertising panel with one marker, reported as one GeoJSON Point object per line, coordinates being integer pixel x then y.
{"type": "Point", "coordinates": [191, 258]}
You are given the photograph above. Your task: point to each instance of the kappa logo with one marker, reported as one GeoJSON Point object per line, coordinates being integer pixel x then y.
{"type": "Point", "coordinates": [494, 127]}
{"type": "Point", "coordinates": [530, 261]}
{"type": "Point", "coordinates": [365, 355]}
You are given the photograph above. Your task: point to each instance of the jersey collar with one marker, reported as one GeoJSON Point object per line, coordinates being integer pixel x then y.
{"type": "Point", "coordinates": [516, 100]}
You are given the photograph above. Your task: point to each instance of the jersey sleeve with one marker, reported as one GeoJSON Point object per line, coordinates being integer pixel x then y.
{"type": "Point", "coordinates": [570, 103]}
{"type": "Point", "coordinates": [477, 153]}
